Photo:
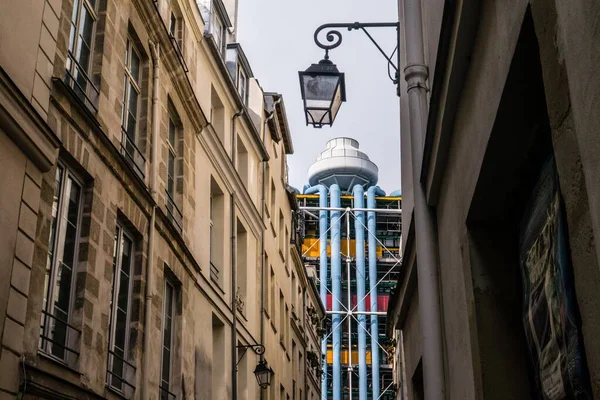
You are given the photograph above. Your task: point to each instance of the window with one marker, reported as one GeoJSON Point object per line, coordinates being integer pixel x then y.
{"type": "Point", "coordinates": [56, 335]}
{"type": "Point", "coordinates": [267, 291]}
{"type": "Point", "coordinates": [120, 371]}
{"type": "Point", "coordinates": [272, 293]}
{"type": "Point", "coordinates": [217, 232]}
{"type": "Point", "coordinates": [218, 30]}
{"type": "Point", "coordinates": [242, 267]}
{"type": "Point", "coordinates": [219, 362]}
{"type": "Point", "coordinates": [282, 313]}
{"type": "Point", "coordinates": [294, 297]}
{"type": "Point", "coordinates": [217, 119]}
{"type": "Point", "coordinates": [167, 341]}
{"type": "Point", "coordinates": [173, 173]}
{"type": "Point", "coordinates": [176, 33]}
{"type": "Point", "coordinates": [242, 85]}
{"type": "Point", "coordinates": [130, 110]}
{"type": "Point", "coordinates": [243, 162]}
{"type": "Point", "coordinates": [79, 56]}
{"type": "Point", "coordinates": [281, 228]}
{"type": "Point", "coordinates": [273, 197]}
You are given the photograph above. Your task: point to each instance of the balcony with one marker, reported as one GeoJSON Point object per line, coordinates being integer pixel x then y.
{"type": "Point", "coordinates": [179, 51]}
{"type": "Point", "coordinates": [57, 337]}
{"type": "Point", "coordinates": [214, 273]}
{"type": "Point", "coordinates": [77, 79]}
{"type": "Point", "coordinates": [134, 157]}
{"type": "Point", "coordinates": [174, 213]}
{"type": "Point", "coordinates": [166, 395]}
{"type": "Point", "coordinates": [120, 375]}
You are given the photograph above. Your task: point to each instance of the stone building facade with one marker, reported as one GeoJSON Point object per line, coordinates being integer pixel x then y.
{"type": "Point", "coordinates": [134, 134]}
{"type": "Point", "coordinates": [512, 93]}
{"type": "Point", "coordinates": [292, 310]}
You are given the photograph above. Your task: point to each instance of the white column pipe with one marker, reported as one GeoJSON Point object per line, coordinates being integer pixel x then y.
{"type": "Point", "coordinates": [416, 74]}
{"type": "Point", "coordinates": [336, 286]}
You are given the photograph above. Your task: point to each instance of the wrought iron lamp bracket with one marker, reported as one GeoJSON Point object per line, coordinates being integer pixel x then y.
{"type": "Point", "coordinates": [258, 349]}
{"type": "Point", "coordinates": [334, 40]}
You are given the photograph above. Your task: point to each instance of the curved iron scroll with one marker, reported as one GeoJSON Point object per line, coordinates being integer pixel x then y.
{"type": "Point", "coordinates": [334, 39]}
{"type": "Point", "coordinates": [258, 349]}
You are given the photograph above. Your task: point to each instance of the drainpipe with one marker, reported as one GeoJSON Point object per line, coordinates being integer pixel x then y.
{"type": "Point", "coordinates": [416, 74]}
{"type": "Point", "coordinates": [359, 197]}
{"type": "Point", "coordinates": [233, 138]}
{"type": "Point", "coordinates": [155, 51]}
{"type": "Point", "coordinates": [233, 302]}
{"type": "Point", "coordinates": [372, 228]}
{"type": "Point", "coordinates": [336, 286]}
{"type": "Point", "coordinates": [322, 189]}
{"type": "Point", "coordinates": [305, 341]}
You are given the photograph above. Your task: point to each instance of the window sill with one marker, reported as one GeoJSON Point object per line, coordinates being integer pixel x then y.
{"type": "Point", "coordinates": [273, 326]}
{"type": "Point", "coordinates": [282, 256]}
{"type": "Point", "coordinates": [266, 314]}
{"type": "Point", "coordinates": [216, 285]}
{"type": "Point", "coordinates": [50, 358]}
{"type": "Point", "coordinates": [116, 392]}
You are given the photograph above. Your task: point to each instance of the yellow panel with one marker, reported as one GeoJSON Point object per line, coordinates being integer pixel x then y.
{"type": "Point", "coordinates": [344, 357]}
{"type": "Point", "coordinates": [314, 250]}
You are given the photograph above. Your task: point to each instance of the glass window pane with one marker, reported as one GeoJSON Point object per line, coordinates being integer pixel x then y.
{"type": "Point", "coordinates": [133, 100]}
{"type": "Point", "coordinates": [120, 332]}
{"type": "Point", "coordinates": [135, 66]}
{"type": "Point", "coordinates": [166, 367]}
{"type": "Point", "coordinates": [86, 26]}
{"type": "Point", "coordinates": [172, 132]}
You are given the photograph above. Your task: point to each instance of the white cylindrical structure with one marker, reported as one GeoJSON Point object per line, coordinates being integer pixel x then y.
{"type": "Point", "coordinates": [342, 163]}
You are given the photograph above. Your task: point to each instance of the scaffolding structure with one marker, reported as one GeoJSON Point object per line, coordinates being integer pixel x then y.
{"type": "Point", "coordinates": [356, 234]}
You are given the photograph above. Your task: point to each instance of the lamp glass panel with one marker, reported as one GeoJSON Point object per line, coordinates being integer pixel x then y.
{"type": "Point", "coordinates": [319, 90]}
{"type": "Point", "coordinates": [319, 116]}
{"type": "Point", "coordinates": [337, 102]}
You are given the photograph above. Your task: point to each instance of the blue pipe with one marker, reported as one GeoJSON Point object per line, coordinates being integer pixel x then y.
{"type": "Point", "coordinates": [336, 285]}
{"type": "Point", "coordinates": [359, 200]}
{"type": "Point", "coordinates": [372, 226]}
{"type": "Point", "coordinates": [322, 272]}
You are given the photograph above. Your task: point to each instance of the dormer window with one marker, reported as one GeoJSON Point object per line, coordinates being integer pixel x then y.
{"type": "Point", "coordinates": [239, 70]}
{"type": "Point", "coordinates": [242, 85]}
{"type": "Point", "coordinates": [217, 22]}
{"type": "Point", "coordinates": [218, 31]}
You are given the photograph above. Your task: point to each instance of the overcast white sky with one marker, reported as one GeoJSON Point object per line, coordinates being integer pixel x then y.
{"type": "Point", "coordinates": [277, 36]}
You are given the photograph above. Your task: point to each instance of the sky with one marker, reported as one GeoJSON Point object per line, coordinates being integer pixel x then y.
{"type": "Point", "coordinates": [277, 37]}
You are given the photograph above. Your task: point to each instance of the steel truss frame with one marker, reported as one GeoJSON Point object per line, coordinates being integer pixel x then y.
{"type": "Point", "coordinates": [349, 312]}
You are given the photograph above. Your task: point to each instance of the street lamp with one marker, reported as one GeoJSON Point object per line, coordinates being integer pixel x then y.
{"type": "Point", "coordinates": [263, 374]}
{"type": "Point", "coordinates": [323, 91]}
{"type": "Point", "coordinates": [323, 86]}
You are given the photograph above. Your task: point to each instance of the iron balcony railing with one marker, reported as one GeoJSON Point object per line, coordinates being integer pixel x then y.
{"type": "Point", "coordinates": [132, 154]}
{"type": "Point", "coordinates": [120, 373]}
{"type": "Point", "coordinates": [61, 339]}
{"type": "Point", "coordinates": [214, 272]}
{"type": "Point", "coordinates": [179, 52]}
{"type": "Point", "coordinates": [174, 213]}
{"type": "Point", "coordinates": [165, 394]}
{"type": "Point", "coordinates": [77, 79]}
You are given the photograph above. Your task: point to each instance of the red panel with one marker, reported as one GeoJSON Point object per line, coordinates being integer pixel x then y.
{"type": "Point", "coordinates": [382, 302]}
